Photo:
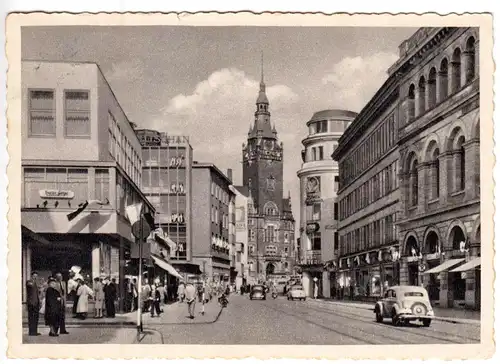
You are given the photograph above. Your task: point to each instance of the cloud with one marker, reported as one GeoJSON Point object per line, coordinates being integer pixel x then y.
{"type": "Point", "coordinates": [218, 112]}
{"type": "Point", "coordinates": [354, 80]}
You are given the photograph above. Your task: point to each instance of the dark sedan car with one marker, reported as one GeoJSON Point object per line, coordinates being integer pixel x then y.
{"type": "Point", "coordinates": [258, 292]}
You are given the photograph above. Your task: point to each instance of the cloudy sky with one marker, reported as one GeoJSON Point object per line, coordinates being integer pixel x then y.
{"type": "Point", "coordinates": [203, 81]}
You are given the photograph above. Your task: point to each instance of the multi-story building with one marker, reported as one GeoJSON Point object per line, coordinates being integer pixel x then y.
{"type": "Point", "coordinates": [81, 167]}
{"type": "Point", "coordinates": [270, 221]}
{"type": "Point", "coordinates": [368, 197]}
{"type": "Point", "coordinates": [241, 234]}
{"type": "Point", "coordinates": [319, 182]}
{"type": "Point", "coordinates": [166, 182]}
{"type": "Point", "coordinates": [211, 243]}
{"type": "Point", "coordinates": [440, 226]}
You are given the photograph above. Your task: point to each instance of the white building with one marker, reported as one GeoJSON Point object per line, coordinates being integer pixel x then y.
{"type": "Point", "coordinates": [318, 207]}
{"type": "Point", "coordinates": [241, 234]}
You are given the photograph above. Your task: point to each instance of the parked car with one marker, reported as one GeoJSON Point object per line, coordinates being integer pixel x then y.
{"type": "Point", "coordinates": [403, 304]}
{"type": "Point", "coordinates": [258, 292]}
{"type": "Point", "coordinates": [296, 292]}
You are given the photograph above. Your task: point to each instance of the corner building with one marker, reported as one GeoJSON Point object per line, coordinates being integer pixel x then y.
{"type": "Point", "coordinates": [270, 221]}
{"type": "Point", "coordinates": [369, 198]}
{"type": "Point", "coordinates": [319, 182]}
{"type": "Point", "coordinates": [439, 134]}
{"type": "Point", "coordinates": [77, 145]}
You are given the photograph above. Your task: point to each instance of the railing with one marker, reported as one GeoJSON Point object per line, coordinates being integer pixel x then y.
{"type": "Point", "coordinates": [312, 257]}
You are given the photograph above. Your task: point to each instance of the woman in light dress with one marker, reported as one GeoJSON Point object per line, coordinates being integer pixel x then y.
{"type": "Point", "coordinates": [83, 293]}
{"type": "Point", "coordinates": [98, 297]}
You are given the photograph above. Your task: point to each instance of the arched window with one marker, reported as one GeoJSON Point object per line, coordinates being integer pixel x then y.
{"type": "Point", "coordinates": [433, 175]}
{"type": "Point", "coordinates": [431, 243]}
{"type": "Point", "coordinates": [470, 60]}
{"type": "Point", "coordinates": [413, 182]}
{"type": "Point", "coordinates": [456, 72]}
{"type": "Point", "coordinates": [457, 236]}
{"type": "Point", "coordinates": [431, 88]}
{"type": "Point", "coordinates": [410, 108]}
{"type": "Point", "coordinates": [421, 96]}
{"type": "Point", "coordinates": [443, 80]}
{"type": "Point", "coordinates": [270, 209]}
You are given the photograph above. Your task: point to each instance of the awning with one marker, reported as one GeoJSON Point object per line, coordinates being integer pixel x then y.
{"type": "Point", "coordinates": [450, 263]}
{"type": "Point", "coordinates": [471, 264]}
{"type": "Point", "coordinates": [164, 265]}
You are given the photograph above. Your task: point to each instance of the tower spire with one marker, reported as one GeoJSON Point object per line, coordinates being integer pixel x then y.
{"type": "Point", "coordinates": [262, 68]}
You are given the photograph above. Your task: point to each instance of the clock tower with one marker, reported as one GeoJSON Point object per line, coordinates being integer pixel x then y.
{"type": "Point", "coordinates": [271, 224]}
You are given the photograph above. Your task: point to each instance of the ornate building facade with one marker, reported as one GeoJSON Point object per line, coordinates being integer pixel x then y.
{"type": "Point", "coordinates": [271, 224]}
{"type": "Point", "coordinates": [440, 226]}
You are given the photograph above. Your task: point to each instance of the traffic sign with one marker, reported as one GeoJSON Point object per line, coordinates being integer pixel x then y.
{"type": "Point", "coordinates": [422, 267]}
{"type": "Point", "coordinates": [141, 229]}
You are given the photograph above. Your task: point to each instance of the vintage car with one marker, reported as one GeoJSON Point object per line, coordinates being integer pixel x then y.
{"type": "Point", "coordinates": [403, 304]}
{"type": "Point", "coordinates": [296, 292]}
{"type": "Point", "coordinates": [258, 292]}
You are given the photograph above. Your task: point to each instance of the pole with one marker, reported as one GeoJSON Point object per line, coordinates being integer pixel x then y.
{"type": "Point", "coordinates": [139, 289]}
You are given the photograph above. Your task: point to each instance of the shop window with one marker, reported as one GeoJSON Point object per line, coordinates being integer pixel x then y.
{"type": "Point", "coordinates": [42, 111]}
{"type": "Point", "coordinates": [77, 113]}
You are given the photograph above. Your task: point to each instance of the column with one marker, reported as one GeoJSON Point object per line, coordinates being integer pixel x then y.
{"type": "Point", "coordinates": [96, 260]}
{"type": "Point", "coordinates": [455, 76]}
{"type": "Point", "coordinates": [326, 284]}
{"type": "Point", "coordinates": [403, 272]}
{"type": "Point", "coordinates": [470, 289]}
{"type": "Point", "coordinates": [468, 68]}
{"type": "Point", "coordinates": [472, 169]}
{"type": "Point", "coordinates": [408, 107]}
{"type": "Point", "coordinates": [403, 185]}
{"type": "Point", "coordinates": [26, 267]}
{"type": "Point", "coordinates": [476, 57]}
{"type": "Point", "coordinates": [445, 177]}
{"type": "Point", "coordinates": [445, 293]}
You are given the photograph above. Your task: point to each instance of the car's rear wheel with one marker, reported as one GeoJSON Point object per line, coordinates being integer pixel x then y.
{"type": "Point", "coordinates": [288, 298]}
{"type": "Point", "coordinates": [378, 317]}
{"type": "Point", "coordinates": [419, 309]}
{"type": "Point", "coordinates": [426, 322]}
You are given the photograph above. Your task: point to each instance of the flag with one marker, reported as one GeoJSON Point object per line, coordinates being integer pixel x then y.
{"type": "Point", "coordinates": [84, 205]}
{"type": "Point", "coordinates": [134, 212]}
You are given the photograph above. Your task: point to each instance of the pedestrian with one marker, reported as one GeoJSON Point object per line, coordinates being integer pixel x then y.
{"type": "Point", "coordinates": [155, 298]}
{"type": "Point", "coordinates": [180, 291]}
{"type": "Point", "coordinates": [110, 298]}
{"type": "Point", "coordinates": [98, 298]}
{"type": "Point", "coordinates": [33, 303]}
{"type": "Point", "coordinates": [190, 296]}
{"type": "Point", "coordinates": [135, 300]}
{"type": "Point", "coordinates": [72, 288]}
{"type": "Point", "coordinates": [129, 295]}
{"type": "Point", "coordinates": [145, 296]}
{"type": "Point", "coordinates": [61, 287]}
{"type": "Point", "coordinates": [84, 292]}
{"type": "Point", "coordinates": [316, 290]}
{"type": "Point", "coordinates": [53, 303]}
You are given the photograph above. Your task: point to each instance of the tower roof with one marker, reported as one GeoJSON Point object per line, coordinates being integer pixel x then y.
{"type": "Point", "coordinates": [262, 98]}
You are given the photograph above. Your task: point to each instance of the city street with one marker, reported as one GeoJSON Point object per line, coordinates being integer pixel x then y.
{"type": "Point", "coordinates": [282, 322]}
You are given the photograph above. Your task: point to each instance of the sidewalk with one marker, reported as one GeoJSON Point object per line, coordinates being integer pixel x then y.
{"type": "Point", "coordinates": [453, 315]}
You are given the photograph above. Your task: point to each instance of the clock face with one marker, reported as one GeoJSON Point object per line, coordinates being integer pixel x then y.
{"type": "Point", "coordinates": [312, 185]}
{"type": "Point", "coordinates": [268, 144]}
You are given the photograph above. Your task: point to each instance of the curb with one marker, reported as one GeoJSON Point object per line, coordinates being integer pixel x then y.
{"type": "Point", "coordinates": [436, 318]}
{"type": "Point", "coordinates": [91, 324]}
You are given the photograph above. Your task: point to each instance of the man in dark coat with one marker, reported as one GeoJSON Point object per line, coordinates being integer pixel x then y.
{"type": "Point", "coordinates": [63, 291]}
{"type": "Point", "coordinates": [110, 297]}
{"type": "Point", "coordinates": [33, 304]}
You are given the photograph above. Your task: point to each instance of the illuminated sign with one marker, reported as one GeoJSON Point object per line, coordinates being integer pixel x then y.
{"type": "Point", "coordinates": [175, 219]}
{"type": "Point", "coordinates": [57, 194]}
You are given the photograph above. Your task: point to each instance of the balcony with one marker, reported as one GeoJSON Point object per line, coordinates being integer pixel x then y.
{"type": "Point", "coordinates": [312, 257]}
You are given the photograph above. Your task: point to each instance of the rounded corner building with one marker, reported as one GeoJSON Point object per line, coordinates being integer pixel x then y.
{"type": "Point", "coordinates": [319, 176]}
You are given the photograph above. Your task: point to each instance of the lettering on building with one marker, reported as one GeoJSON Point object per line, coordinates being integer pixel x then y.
{"type": "Point", "coordinates": [57, 194]}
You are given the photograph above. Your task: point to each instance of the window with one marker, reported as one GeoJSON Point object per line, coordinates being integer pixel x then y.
{"type": "Point", "coordinates": [316, 212]}
{"type": "Point", "coordinates": [321, 126]}
{"type": "Point", "coordinates": [316, 241]}
{"type": "Point", "coordinates": [42, 113]}
{"type": "Point", "coordinates": [314, 157]}
{"type": "Point", "coordinates": [271, 182]}
{"type": "Point", "coordinates": [320, 153]}
{"type": "Point", "coordinates": [335, 211]}
{"type": "Point", "coordinates": [102, 184]}
{"type": "Point", "coordinates": [76, 113]}
{"type": "Point", "coordinates": [336, 183]}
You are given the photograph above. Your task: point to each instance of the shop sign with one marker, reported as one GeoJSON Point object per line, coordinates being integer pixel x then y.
{"type": "Point", "coordinates": [312, 227]}
{"type": "Point", "coordinates": [58, 194]}
{"type": "Point", "coordinates": [177, 188]}
{"type": "Point", "coordinates": [463, 275]}
{"type": "Point", "coordinates": [175, 218]}
{"type": "Point", "coordinates": [176, 161]}
{"type": "Point", "coordinates": [155, 141]}
{"type": "Point", "coordinates": [422, 267]}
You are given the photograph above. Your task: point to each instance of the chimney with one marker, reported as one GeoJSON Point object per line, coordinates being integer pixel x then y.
{"type": "Point", "coordinates": [230, 174]}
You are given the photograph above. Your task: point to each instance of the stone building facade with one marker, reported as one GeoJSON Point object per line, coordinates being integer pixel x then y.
{"type": "Point", "coordinates": [439, 164]}
{"type": "Point", "coordinates": [369, 198]}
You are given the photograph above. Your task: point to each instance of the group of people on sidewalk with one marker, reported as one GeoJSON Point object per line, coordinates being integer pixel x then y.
{"type": "Point", "coordinates": [50, 298]}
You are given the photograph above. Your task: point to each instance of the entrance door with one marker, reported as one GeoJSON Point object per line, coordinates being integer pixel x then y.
{"type": "Point", "coordinates": [412, 274]}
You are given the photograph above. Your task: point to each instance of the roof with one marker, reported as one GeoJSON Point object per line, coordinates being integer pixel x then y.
{"type": "Point", "coordinates": [243, 190]}
{"type": "Point", "coordinates": [332, 113]}
{"type": "Point", "coordinates": [287, 204]}
{"type": "Point", "coordinates": [214, 168]}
